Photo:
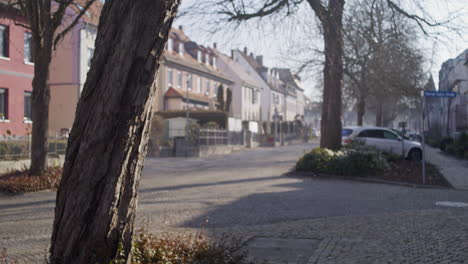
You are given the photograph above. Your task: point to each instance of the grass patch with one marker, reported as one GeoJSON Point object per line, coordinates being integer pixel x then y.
{"type": "Point", "coordinates": [21, 181]}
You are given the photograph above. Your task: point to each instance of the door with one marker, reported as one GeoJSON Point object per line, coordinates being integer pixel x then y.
{"type": "Point", "coordinates": [391, 142]}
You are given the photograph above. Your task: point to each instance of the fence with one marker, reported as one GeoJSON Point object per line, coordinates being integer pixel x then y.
{"type": "Point", "coordinates": [18, 148]}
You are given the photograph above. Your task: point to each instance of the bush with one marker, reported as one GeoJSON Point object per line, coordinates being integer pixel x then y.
{"type": "Point", "coordinates": [356, 160]}
{"type": "Point", "coordinates": [445, 142]}
{"type": "Point", "coordinates": [186, 249]}
{"type": "Point", "coordinates": [434, 142]}
{"type": "Point", "coordinates": [13, 150]}
{"type": "Point", "coordinates": [317, 160]}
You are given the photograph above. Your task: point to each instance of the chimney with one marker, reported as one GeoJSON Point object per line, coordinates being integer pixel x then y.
{"type": "Point", "coordinates": [245, 50]}
{"type": "Point", "coordinates": [260, 60]}
{"type": "Point", "coordinates": [181, 28]}
{"type": "Point", "coordinates": [215, 45]}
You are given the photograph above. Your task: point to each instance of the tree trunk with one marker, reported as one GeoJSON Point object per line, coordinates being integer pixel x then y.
{"type": "Point", "coordinates": [379, 116]}
{"type": "Point", "coordinates": [361, 110]}
{"type": "Point", "coordinates": [97, 197]}
{"type": "Point", "coordinates": [42, 50]}
{"type": "Point", "coordinates": [333, 75]}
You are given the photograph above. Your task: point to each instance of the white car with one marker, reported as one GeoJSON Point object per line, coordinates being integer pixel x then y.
{"type": "Point", "coordinates": [384, 139]}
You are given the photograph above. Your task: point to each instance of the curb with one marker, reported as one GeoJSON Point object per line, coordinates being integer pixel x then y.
{"type": "Point", "coordinates": [312, 175]}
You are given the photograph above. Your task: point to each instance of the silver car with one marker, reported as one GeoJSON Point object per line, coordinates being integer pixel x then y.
{"type": "Point", "coordinates": [384, 139]}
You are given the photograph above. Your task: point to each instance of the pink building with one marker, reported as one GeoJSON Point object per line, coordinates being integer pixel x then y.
{"type": "Point", "coordinates": [16, 74]}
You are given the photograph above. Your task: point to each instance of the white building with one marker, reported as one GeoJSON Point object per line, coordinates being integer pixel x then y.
{"type": "Point", "coordinates": [246, 90]}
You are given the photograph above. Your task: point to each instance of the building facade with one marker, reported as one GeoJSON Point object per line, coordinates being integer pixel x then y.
{"type": "Point", "coordinates": [69, 68]}
{"type": "Point", "coordinates": [453, 76]}
{"type": "Point", "coordinates": [16, 74]}
{"type": "Point", "coordinates": [246, 99]}
{"type": "Point", "coordinates": [188, 75]}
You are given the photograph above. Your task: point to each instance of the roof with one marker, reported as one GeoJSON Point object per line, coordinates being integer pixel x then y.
{"type": "Point", "coordinates": [287, 77]}
{"type": "Point", "coordinates": [240, 71]}
{"type": "Point", "coordinates": [177, 93]}
{"type": "Point", "coordinates": [189, 59]}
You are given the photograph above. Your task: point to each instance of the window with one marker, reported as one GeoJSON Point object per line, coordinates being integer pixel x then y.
{"type": "Point", "coordinates": [169, 77]}
{"type": "Point", "coordinates": [254, 96]}
{"type": "Point", "coordinates": [170, 44]}
{"type": "Point", "coordinates": [3, 41]}
{"type": "Point", "coordinates": [390, 135]}
{"type": "Point", "coordinates": [179, 79]}
{"type": "Point", "coordinates": [199, 85]}
{"type": "Point", "coordinates": [372, 134]}
{"type": "Point", "coordinates": [199, 56]}
{"type": "Point", "coordinates": [208, 88]}
{"type": "Point", "coordinates": [181, 48]}
{"type": "Point", "coordinates": [28, 58]}
{"type": "Point", "coordinates": [207, 59]}
{"type": "Point", "coordinates": [189, 82]}
{"type": "Point", "coordinates": [27, 106]}
{"type": "Point", "coordinates": [3, 103]}
{"type": "Point", "coordinates": [90, 56]}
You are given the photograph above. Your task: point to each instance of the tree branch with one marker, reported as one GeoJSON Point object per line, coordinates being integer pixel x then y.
{"type": "Point", "coordinates": [419, 20]}
{"type": "Point", "coordinates": [74, 22]}
{"type": "Point", "coordinates": [319, 9]}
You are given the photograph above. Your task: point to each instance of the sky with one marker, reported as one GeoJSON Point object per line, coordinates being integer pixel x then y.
{"type": "Point", "coordinates": [272, 39]}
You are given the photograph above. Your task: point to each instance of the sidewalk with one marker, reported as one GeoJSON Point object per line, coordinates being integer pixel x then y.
{"type": "Point", "coordinates": [453, 169]}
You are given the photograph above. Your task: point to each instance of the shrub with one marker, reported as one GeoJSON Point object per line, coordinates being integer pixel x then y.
{"type": "Point", "coordinates": [356, 163]}
{"type": "Point", "coordinates": [316, 160]}
{"type": "Point", "coordinates": [186, 249]}
{"type": "Point", "coordinates": [455, 150]}
{"type": "Point", "coordinates": [354, 160]}
{"type": "Point", "coordinates": [445, 142]}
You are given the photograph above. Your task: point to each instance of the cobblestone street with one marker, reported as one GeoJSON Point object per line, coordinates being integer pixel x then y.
{"type": "Point", "coordinates": [247, 194]}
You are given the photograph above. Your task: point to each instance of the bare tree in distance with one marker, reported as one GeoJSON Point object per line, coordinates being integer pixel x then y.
{"type": "Point", "coordinates": [330, 17]}
{"type": "Point", "coordinates": [382, 64]}
{"type": "Point", "coordinates": [46, 20]}
{"type": "Point", "coordinates": [97, 196]}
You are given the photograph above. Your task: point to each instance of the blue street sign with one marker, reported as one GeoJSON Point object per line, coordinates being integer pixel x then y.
{"type": "Point", "coordinates": [440, 94]}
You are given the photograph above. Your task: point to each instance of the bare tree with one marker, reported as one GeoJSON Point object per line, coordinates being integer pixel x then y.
{"type": "Point", "coordinates": [381, 61]}
{"type": "Point", "coordinates": [330, 17]}
{"type": "Point", "coordinates": [97, 197]}
{"type": "Point", "coordinates": [45, 22]}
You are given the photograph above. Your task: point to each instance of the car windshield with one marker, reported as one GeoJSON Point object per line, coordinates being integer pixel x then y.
{"type": "Point", "coordinates": [346, 132]}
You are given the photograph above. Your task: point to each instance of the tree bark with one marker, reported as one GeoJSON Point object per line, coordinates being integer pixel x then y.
{"type": "Point", "coordinates": [379, 116]}
{"type": "Point", "coordinates": [97, 197]}
{"type": "Point", "coordinates": [40, 106]}
{"type": "Point", "coordinates": [42, 41]}
{"type": "Point", "coordinates": [333, 75]}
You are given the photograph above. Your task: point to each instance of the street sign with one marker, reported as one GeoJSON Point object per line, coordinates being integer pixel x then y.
{"type": "Point", "coordinates": [440, 94]}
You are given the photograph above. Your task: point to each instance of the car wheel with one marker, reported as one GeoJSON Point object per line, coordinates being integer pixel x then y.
{"type": "Point", "coordinates": [415, 155]}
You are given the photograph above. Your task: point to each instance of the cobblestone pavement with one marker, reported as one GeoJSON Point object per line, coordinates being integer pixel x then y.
{"type": "Point", "coordinates": [246, 194]}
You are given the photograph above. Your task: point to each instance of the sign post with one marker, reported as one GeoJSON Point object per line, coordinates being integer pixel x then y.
{"type": "Point", "coordinates": [425, 94]}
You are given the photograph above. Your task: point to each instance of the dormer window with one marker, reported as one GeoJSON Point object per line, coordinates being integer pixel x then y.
{"type": "Point", "coordinates": [199, 56]}
{"type": "Point", "coordinates": [170, 44]}
{"type": "Point", "coordinates": [207, 59]}
{"type": "Point", "coordinates": [214, 62]}
{"type": "Point", "coordinates": [181, 49]}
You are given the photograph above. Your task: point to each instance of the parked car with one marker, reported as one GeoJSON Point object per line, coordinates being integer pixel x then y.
{"type": "Point", "coordinates": [384, 139]}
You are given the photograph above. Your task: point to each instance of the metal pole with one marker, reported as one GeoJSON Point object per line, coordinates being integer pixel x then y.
{"type": "Point", "coordinates": [423, 105]}
{"type": "Point", "coordinates": [187, 116]}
